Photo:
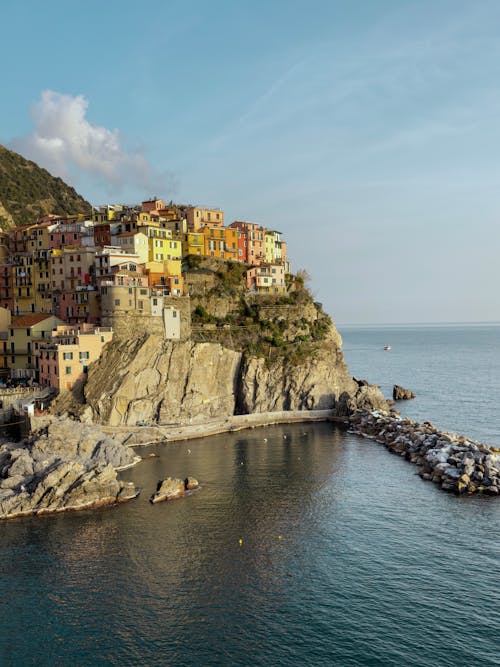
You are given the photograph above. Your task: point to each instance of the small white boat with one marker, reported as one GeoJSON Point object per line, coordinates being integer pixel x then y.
{"type": "Point", "coordinates": [387, 347]}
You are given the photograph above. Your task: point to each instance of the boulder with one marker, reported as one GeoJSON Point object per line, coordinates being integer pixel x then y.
{"type": "Point", "coordinates": [401, 394]}
{"type": "Point", "coordinates": [190, 483]}
{"type": "Point", "coordinates": [168, 489]}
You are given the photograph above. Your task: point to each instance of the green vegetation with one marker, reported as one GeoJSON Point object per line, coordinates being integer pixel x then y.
{"type": "Point", "coordinates": [278, 328]}
{"type": "Point", "coordinates": [28, 192]}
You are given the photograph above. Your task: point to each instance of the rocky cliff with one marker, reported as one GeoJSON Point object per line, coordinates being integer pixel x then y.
{"type": "Point", "coordinates": [153, 381]}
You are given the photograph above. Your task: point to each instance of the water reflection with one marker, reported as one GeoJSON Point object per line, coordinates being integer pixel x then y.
{"type": "Point", "coordinates": [144, 584]}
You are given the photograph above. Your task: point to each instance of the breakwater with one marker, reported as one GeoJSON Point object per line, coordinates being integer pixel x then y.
{"type": "Point", "coordinates": [456, 463]}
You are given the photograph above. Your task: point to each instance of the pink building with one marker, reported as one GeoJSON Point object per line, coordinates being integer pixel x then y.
{"type": "Point", "coordinates": [267, 278]}
{"type": "Point", "coordinates": [252, 242]}
{"type": "Point", "coordinates": [62, 236]}
{"type": "Point", "coordinates": [66, 358]}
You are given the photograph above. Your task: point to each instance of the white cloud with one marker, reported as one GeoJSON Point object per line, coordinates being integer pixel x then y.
{"type": "Point", "coordinates": [66, 143]}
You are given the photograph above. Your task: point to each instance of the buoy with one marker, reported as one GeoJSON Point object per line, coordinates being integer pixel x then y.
{"type": "Point", "coordinates": [265, 439]}
{"type": "Point", "coordinates": [189, 451]}
{"type": "Point", "coordinates": [240, 541]}
{"type": "Point", "coordinates": [280, 537]}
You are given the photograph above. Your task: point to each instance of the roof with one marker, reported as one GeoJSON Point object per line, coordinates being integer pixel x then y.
{"type": "Point", "coordinates": [29, 320]}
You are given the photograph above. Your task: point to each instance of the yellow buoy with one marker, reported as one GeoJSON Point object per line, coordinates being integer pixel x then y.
{"type": "Point", "coordinates": [280, 537]}
{"type": "Point", "coordinates": [240, 541]}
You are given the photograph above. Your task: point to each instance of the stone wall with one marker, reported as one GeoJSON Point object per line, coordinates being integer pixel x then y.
{"type": "Point", "coordinates": [134, 324]}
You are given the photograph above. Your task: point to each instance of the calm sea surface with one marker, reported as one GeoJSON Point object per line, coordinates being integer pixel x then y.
{"type": "Point", "coordinates": [347, 556]}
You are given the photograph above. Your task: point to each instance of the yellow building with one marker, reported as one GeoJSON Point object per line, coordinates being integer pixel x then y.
{"type": "Point", "coordinates": [23, 288]}
{"type": "Point", "coordinates": [269, 246]}
{"type": "Point", "coordinates": [162, 246]}
{"type": "Point", "coordinates": [193, 243]}
{"type": "Point", "coordinates": [41, 274]}
{"type": "Point", "coordinates": [107, 213]}
{"type": "Point", "coordinates": [25, 334]}
{"type": "Point", "coordinates": [5, 320]}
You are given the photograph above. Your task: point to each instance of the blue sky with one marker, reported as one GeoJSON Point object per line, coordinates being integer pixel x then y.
{"type": "Point", "coordinates": [368, 132]}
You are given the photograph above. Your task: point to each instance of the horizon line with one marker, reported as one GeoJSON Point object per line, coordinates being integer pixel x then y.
{"type": "Point", "coordinates": [417, 324]}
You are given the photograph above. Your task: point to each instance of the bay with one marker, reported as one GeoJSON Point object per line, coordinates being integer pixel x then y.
{"type": "Point", "coordinates": [346, 558]}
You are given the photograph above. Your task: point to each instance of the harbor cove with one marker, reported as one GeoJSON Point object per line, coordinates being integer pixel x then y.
{"type": "Point", "coordinates": [306, 543]}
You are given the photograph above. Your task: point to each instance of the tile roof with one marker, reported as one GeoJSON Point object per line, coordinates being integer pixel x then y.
{"type": "Point", "coordinates": [29, 320]}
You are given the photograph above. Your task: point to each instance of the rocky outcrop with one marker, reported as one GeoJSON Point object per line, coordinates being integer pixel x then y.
{"type": "Point", "coordinates": [454, 462]}
{"type": "Point", "coordinates": [152, 381]}
{"type": "Point", "coordinates": [401, 394]}
{"type": "Point", "coordinates": [169, 489]}
{"type": "Point", "coordinates": [67, 466]}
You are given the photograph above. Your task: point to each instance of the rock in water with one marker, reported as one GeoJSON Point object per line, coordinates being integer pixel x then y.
{"type": "Point", "coordinates": [401, 394]}
{"type": "Point", "coordinates": [168, 489]}
{"type": "Point", "coordinates": [190, 483]}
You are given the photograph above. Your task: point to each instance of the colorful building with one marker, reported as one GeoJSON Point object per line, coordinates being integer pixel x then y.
{"type": "Point", "coordinates": [267, 279]}
{"type": "Point", "coordinates": [198, 217]}
{"type": "Point", "coordinates": [25, 334]}
{"type": "Point", "coordinates": [253, 236]}
{"type": "Point", "coordinates": [65, 358]}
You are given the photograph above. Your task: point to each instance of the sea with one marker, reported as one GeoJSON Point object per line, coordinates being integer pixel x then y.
{"type": "Point", "coordinates": [306, 544]}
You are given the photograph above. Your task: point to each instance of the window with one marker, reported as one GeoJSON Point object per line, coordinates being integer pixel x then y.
{"type": "Point", "coordinates": [28, 332]}
{"type": "Point", "coordinates": [140, 305]}
{"type": "Point", "coordinates": [174, 313]}
{"type": "Point", "coordinates": [67, 355]}
{"type": "Point", "coordinates": [67, 370]}
{"type": "Point", "coordinates": [83, 355]}
{"type": "Point", "coordinates": [144, 291]}
{"type": "Point", "coordinates": [117, 302]}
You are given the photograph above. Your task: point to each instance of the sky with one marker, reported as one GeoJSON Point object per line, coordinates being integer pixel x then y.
{"type": "Point", "coordinates": [367, 131]}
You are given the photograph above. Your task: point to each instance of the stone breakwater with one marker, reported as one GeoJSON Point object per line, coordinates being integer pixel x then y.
{"type": "Point", "coordinates": [454, 462]}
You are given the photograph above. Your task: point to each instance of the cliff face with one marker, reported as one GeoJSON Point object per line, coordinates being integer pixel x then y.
{"type": "Point", "coordinates": [150, 380]}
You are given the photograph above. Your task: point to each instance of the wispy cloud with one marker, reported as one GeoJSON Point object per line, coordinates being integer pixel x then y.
{"type": "Point", "coordinates": [66, 143]}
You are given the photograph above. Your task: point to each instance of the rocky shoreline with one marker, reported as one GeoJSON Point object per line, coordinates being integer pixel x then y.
{"type": "Point", "coordinates": [454, 462]}
{"type": "Point", "coordinates": [68, 465]}
{"type": "Point", "coordinates": [64, 466]}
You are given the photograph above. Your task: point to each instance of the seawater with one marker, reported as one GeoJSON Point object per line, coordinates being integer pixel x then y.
{"type": "Point", "coordinates": [347, 556]}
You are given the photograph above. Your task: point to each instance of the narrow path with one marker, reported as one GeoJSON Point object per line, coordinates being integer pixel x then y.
{"type": "Point", "coordinates": [145, 435]}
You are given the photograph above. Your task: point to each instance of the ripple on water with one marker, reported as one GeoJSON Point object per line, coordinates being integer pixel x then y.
{"type": "Point", "coordinates": [374, 566]}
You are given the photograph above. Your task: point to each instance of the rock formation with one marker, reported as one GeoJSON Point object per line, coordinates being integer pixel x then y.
{"type": "Point", "coordinates": [401, 394]}
{"type": "Point", "coordinates": [169, 489]}
{"type": "Point", "coordinates": [150, 380]}
{"type": "Point", "coordinates": [65, 466]}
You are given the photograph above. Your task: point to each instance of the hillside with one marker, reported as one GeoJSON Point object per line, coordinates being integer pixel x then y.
{"type": "Point", "coordinates": [28, 191]}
